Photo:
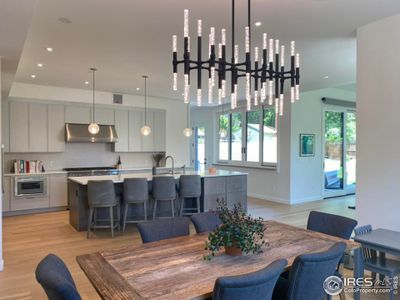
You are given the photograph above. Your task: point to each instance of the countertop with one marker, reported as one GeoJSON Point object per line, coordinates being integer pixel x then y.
{"type": "Point", "coordinates": [33, 174]}
{"type": "Point", "coordinates": [120, 178]}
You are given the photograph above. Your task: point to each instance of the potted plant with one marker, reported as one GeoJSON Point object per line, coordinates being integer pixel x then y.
{"type": "Point", "coordinates": [239, 233]}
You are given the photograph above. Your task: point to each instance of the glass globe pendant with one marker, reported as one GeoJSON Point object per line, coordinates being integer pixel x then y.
{"type": "Point", "coordinates": [145, 130]}
{"type": "Point", "coordinates": [93, 127]}
{"type": "Point", "coordinates": [187, 132]}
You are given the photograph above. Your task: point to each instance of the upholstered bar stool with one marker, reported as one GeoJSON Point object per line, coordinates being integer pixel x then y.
{"type": "Point", "coordinates": [101, 194]}
{"type": "Point", "coordinates": [164, 189]}
{"type": "Point", "coordinates": [189, 188]}
{"type": "Point", "coordinates": [136, 192]}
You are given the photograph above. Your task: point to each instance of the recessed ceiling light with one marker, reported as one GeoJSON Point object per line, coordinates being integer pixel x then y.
{"type": "Point", "coordinates": [325, 77]}
{"type": "Point", "coordinates": [86, 82]}
{"type": "Point", "coordinates": [138, 89]}
{"type": "Point", "coordinates": [39, 65]}
{"type": "Point", "coordinates": [33, 76]}
{"type": "Point", "coordinates": [258, 24]}
{"type": "Point", "coordinates": [49, 49]}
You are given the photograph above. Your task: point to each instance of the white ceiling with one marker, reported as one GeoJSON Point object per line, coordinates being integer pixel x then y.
{"type": "Point", "coordinates": [125, 39]}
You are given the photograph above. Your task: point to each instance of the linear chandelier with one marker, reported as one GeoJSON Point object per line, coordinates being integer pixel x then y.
{"type": "Point", "coordinates": [265, 76]}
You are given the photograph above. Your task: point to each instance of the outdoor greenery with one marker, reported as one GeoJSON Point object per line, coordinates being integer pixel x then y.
{"type": "Point", "coordinates": [333, 127]}
{"type": "Point", "coordinates": [237, 230]}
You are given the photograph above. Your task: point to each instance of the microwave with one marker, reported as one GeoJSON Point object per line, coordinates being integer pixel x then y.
{"type": "Point", "coordinates": [35, 185]}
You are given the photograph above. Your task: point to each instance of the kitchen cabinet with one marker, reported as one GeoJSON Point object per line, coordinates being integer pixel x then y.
{"type": "Point", "coordinates": [56, 128]}
{"type": "Point", "coordinates": [135, 137]}
{"type": "Point", "coordinates": [7, 194]}
{"type": "Point", "coordinates": [37, 127]}
{"type": "Point", "coordinates": [28, 202]}
{"type": "Point", "coordinates": [78, 114]}
{"type": "Point", "coordinates": [122, 127]}
{"type": "Point", "coordinates": [19, 127]}
{"type": "Point", "coordinates": [236, 187]}
{"type": "Point", "coordinates": [104, 116]}
{"type": "Point", "coordinates": [213, 189]}
{"type": "Point", "coordinates": [5, 123]}
{"type": "Point", "coordinates": [160, 132]}
{"type": "Point", "coordinates": [148, 140]}
{"type": "Point", "coordinates": [58, 190]}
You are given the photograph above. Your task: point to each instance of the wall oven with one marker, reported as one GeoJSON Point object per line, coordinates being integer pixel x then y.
{"type": "Point", "coordinates": [35, 185]}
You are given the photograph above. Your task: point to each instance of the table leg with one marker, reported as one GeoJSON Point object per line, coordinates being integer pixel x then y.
{"type": "Point", "coordinates": [358, 270]}
{"type": "Point", "coordinates": [382, 259]}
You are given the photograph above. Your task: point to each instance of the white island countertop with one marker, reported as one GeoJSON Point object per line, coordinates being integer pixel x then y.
{"type": "Point", "coordinates": [83, 180]}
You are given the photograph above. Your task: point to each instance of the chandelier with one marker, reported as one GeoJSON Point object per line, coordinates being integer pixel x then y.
{"type": "Point", "coordinates": [265, 77]}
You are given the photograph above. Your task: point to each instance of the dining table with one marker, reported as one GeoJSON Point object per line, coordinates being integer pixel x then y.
{"type": "Point", "coordinates": [176, 269]}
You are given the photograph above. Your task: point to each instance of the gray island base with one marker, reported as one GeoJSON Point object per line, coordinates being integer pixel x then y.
{"type": "Point", "coordinates": [226, 185]}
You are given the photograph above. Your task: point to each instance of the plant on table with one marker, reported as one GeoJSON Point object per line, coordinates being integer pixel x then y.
{"type": "Point", "coordinates": [238, 231]}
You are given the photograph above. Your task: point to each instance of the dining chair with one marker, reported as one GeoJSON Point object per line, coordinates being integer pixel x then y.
{"type": "Point", "coordinates": [189, 188]}
{"type": "Point", "coordinates": [330, 224]}
{"type": "Point", "coordinates": [56, 280]}
{"type": "Point", "coordinates": [162, 229]}
{"type": "Point", "coordinates": [136, 192]}
{"type": "Point", "coordinates": [387, 267]}
{"type": "Point", "coordinates": [308, 274]}
{"type": "Point", "coordinates": [252, 286]}
{"type": "Point", "coordinates": [206, 221]}
{"type": "Point", "coordinates": [101, 195]}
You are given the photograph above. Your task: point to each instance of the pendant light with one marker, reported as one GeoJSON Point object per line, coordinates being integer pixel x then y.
{"type": "Point", "coordinates": [145, 130]}
{"type": "Point", "coordinates": [222, 132]}
{"type": "Point", "coordinates": [93, 126]}
{"type": "Point", "coordinates": [187, 132]}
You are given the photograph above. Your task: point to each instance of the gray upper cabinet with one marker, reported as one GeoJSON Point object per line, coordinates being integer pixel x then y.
{"type": "Point", "coordinates": [37, 127]}
{"type": "Point", "coordinates": [56, 127]}
{"type": "Point", "coordinates": [104, 116]}
{"type": "Point", "coordinates": [77, 114]}
{"type": "Point", "coordinates": [135, 138]}
{"type": "Point", "coordinates": [148, 141]}
{"type": "Point", "coordinates": [5, 123]}
{"type": "Point", "coordinates": [19, 132]}
{"type": "Point", "coordinates": [122, 128]}
{"type": "Point", "coordinates": [160, 131]}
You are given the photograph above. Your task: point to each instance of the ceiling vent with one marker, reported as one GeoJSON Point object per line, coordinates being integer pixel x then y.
{"type": "Point", "coordinates": [117, 98]}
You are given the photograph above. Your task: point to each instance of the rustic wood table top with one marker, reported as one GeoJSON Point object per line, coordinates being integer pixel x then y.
{"type": "Point", "coordinates": [175, 268]}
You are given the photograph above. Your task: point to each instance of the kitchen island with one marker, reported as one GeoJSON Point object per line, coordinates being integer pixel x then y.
{"type": "Point", "coordinates": [230, 186]}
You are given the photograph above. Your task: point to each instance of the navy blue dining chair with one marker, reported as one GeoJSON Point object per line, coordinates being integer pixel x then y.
{"type": "Point", "coordinates": [206, 221]}
{"type": "Point", "coordinates": [330, 224]}
{"type": "Point", "coordinates": [56, 280]}
{"type": "Point", "coordinates": [162, 229]}
{"type": "Point", "coordinates": [252, 286]}
{"type": "Point", "coordinates": [308, 274]}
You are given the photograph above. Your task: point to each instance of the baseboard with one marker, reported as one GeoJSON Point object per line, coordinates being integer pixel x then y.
{"type": "Point", "coordinates": [269, 198]}
{"type": "Point", "coordinates": [1, 265]}
{"type": "Point", "coordinates": [306, 199]}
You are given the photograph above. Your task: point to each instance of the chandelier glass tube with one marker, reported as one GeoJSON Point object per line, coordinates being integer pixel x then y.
{"type": "Point", "coordinates": [264, 77]}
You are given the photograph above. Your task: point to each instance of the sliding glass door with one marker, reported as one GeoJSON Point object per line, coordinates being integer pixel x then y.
{"type": "Point", "coordinates": [339, 152]}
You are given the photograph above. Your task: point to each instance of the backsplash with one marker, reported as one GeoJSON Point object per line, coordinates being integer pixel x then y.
{"type": "Point", "coordinates": [81, 155]}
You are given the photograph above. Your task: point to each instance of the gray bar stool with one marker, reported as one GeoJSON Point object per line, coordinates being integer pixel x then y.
{"type": "Point", "coordinates": [136, 191]}
{"type": "Point", "coordinates": [189, 187]}
{"type": "Point", "coordinates": [101, 194]}
{"type": "Point", "coordinates": [164, 189]}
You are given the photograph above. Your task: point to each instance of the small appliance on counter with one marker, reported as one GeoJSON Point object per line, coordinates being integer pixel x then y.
{"type": "Point", "coordinates": [28, 166]}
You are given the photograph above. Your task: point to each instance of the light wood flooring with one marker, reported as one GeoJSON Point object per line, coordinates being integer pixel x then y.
{"type": "Point", "coordinates": [27, 239]}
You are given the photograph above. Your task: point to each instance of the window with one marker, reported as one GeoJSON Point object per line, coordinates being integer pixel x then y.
{"type": "Point", "coordinates": [223, 137]}
{"type": "Point", "coordinates": [249, 138]}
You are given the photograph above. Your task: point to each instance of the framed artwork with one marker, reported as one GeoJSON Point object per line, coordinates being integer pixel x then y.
{"type": "Point", "coordinates": [307, 145]}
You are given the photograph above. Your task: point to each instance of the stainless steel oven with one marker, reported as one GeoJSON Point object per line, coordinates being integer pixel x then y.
{"type": "Point", "coordinates": [33, 185]}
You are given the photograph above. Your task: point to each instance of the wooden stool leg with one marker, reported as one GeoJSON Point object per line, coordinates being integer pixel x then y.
{"type": "Point", "coordinates": [89, 222]}
{"type": "Point", "coordinates": [112, 221]}
{"type": "Point", "coordinates": [126, 207]}
{"type": "Point", "coordinates": [154, 209]}
{"type": "Point", "coordinates": [173, 208]}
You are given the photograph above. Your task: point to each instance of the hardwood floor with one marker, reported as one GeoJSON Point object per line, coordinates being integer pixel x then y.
{"type": "Point", "coordinates": [27, 239]}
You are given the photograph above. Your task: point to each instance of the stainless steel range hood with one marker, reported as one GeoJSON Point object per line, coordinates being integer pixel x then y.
{"type": "Point", "coordinates": [78, 133]}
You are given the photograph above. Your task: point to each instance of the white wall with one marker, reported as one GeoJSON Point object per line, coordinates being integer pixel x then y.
{"type": "Point", "coordinates": [176, 144]}
{"type": "Point", "coordinates": [378, 143]}
{"type": "Point", "coordinates": [298, 179]}
{"type": "Point", "coordinates": [1, 195]}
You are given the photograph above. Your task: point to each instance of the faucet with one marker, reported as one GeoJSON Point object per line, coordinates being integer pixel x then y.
{"type": "Point", "coordinates": [172, 161]}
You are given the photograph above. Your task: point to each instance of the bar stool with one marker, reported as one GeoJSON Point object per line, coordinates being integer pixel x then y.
{"type": "Point", "coordinates": [189, 187]}
{"type": "Point", "coordinates": [101, 194]}
{"type": "Point", "coordinates": [164, 189]}
{"type": "Point", "coordinates": [136, 191]}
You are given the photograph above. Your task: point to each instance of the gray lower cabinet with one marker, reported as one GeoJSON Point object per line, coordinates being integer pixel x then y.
{"type": "Point", "coordinates": [236, 187]}
{"type": "Point", "coordinates": [56, 127]}
{"type": "Point", "coordinates": [27, 202]}
{"type": "Point", "coordinates": [19, 127]}
{"type": "Point", "coordinates": [58, 190]}
{"type": "Point", "coordinates": [37, 127]}
{"type": "Point", "coordinates": [6, 194]}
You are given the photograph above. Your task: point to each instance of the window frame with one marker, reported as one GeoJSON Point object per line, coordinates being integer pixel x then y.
{"type": "Point", "coordinates": [243, 162]}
